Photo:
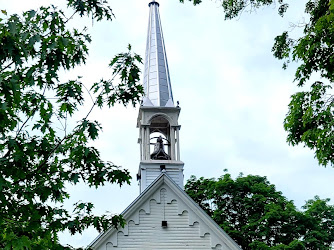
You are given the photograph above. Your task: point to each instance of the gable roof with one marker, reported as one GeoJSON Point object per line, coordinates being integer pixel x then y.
{"type": "Point", "coordinates": [196, 214]}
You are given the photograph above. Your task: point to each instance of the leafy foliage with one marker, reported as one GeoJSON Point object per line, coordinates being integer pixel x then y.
{"type": "Point", "coordinates": [233, 8]}
{"type": "Point", "coordinates": [37, 160]}
{"type": "Point", "coordinates": [257, 216]}
{"type": "Point", "coordinates": [310, 119]}
{"type": "Point", "coordinates": [320, 224]}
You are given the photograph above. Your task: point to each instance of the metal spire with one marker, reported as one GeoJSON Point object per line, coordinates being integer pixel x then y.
{"type": "Point", "coordinates": [157, 86]}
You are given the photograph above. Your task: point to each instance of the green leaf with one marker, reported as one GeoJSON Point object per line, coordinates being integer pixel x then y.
{"type": "Point", "coordinates": [93, 131]}
{"type": "Point", "coordinates": [12, 28]}
{"type": "Point", "coordinates": [75, 178]}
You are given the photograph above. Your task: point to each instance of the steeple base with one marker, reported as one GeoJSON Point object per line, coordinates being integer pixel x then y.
{"type": "Point", "coordinates": [149, 170]}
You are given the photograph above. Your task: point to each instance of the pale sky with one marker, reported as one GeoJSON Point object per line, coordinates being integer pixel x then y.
{"type": "Point", "coordinates": [233, 94]}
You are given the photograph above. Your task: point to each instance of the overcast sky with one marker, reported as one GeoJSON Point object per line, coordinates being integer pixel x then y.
{"type": "Point", "coordinates": [233, 94]}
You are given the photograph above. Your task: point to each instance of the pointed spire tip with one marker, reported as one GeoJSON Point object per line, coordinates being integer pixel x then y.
{"type": "Point", "coordinates": [153, 2]}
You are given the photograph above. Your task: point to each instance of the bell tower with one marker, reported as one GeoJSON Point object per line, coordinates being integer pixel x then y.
{"type": "Point", "coordinates": [158, 116]}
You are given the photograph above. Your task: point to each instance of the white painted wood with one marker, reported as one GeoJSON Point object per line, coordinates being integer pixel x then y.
{"type": "Point", "coordinates": [150, 170]}
{"type": "Point", "coordinates": [150, 235]}
{"type": "Point", "coordinates": [178, 143]}
{"type": "Point", "coordinates": [187, 225]}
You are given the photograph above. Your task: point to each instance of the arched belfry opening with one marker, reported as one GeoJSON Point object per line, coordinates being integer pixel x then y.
{"type": "Point", "coordinates": [161, 135]}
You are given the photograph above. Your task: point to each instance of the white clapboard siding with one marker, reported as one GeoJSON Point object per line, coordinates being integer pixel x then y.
{"type": "Point", "coordinates": [149, 234]}
{"type": "Point", "coordinates": [188, 227]}
{"type": "Point", "coordinates": [152, 174]}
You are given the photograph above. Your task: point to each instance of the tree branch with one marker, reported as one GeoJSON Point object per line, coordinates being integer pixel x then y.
{"type": "Point", "coordinates": [6, 67]}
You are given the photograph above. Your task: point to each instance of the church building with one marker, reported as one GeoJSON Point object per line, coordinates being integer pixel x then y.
{"type": "Point", "coordinates": [163, 216]}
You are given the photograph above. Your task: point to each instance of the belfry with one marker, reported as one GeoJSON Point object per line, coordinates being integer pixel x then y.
{"type": "Point", "coordinates": [163, 216]}
{"type": "Point", "coordinates": [158, 116]}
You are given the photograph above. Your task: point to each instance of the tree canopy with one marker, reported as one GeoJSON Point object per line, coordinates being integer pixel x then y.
{"type": "Point", "coordinates": [257, 216]}
{"type": "Point", "coordinates": [310, 118]}
{"type": "Point", "coordinates": [39, 155]}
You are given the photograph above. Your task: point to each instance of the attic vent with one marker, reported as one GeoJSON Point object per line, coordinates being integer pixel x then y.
{"type": "Point", "coordinates": [164, 223]}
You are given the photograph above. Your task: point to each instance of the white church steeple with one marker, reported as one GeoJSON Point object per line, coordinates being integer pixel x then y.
{"type": "Point", "coordinates": [163, 216]}
{"type": "Point", "coordinates": [158, 117]}
{"type": "Point", "coordinates": [157, 85]}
